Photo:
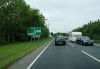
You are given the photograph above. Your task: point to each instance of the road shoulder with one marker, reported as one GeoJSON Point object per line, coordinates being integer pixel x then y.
{"type": "Point", "coordinates": [25, 61]}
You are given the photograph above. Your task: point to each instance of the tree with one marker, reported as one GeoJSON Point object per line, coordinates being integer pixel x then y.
{"type": "Point", "coordinates": [15, 17]}
{"type": "Point", "coordinates": [92, 29]}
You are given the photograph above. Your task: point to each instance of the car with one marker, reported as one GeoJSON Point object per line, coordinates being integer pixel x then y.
{"type": "Point", "coordinates": [85, 40]}
{"type": "Point", "coordinates": [60, 40]}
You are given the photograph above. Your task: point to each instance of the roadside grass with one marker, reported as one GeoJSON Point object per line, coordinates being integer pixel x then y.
{"type": "Point", "coordinates": [97, 41]}
{"type": "Point", "coordinates": [12, 52]}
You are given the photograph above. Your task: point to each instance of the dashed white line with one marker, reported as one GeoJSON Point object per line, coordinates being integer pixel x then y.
{"type": "Point", "coordinates": [71, 45]}
{"type": "Point", "coordinates": [90, 56]}
{"type": "Point", "coordinates": [38, 56]}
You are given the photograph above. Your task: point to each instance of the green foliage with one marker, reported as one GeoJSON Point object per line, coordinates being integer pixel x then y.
{"type": "Point", "coordinates": [45, 32]}
{"type": "Point", "coordinates": [15, 17]}
{"type": "Point", "coordinates": [11, 52]}
{"type": "Point", "coordinates": [91, 29]}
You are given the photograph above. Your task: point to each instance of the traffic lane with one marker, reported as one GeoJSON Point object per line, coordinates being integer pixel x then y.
{"type": "Point", "coordinates": [93, 50]}
{"type": "Point", "coordinates": [64, 57]}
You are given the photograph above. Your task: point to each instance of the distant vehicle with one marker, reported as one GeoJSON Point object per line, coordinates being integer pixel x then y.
{"type": "Point", "coordinates": [60, 40]}
{"type": "Point", "coordinates": [84, 40]}
{"type": "Point", "coordinates": [74, 35]}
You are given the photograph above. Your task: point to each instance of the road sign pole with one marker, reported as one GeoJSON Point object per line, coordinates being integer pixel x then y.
{"type": "Point", "coordinates": [31, 38]}
{"type": "Point", "coordinates": [38, 39]}
{"type": "Point", "coordinates": [34, 38]}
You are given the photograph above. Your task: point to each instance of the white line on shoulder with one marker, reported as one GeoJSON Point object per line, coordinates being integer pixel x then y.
{"type": "Point", "coordinates": [38, 56]}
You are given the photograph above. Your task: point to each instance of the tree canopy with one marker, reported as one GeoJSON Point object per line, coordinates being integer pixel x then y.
{"type": "Point", "coordinates": [92, 29]}
{"type": "Point", "coordinates": [15, 17]}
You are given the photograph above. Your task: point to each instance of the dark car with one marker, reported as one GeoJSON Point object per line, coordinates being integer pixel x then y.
{"type": "Point", "coordinates": [60, 40]}
{"type": "Point", "coordinates": [84, 40]}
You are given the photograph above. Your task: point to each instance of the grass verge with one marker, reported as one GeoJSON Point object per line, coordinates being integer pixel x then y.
{"type": "Point", "coordinates": [97, 41]}
{"type": "Point", "coordinates": [12, 52]}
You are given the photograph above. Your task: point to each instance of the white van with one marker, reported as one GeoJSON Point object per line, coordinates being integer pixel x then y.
{"type": "Point", "coordinates": [74, 35]}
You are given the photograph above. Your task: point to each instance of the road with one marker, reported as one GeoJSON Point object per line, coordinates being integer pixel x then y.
{"type": "Point", "coordinates": [71, 56]}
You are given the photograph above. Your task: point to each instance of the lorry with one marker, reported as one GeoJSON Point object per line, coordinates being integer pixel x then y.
{"type": "Point", "coordinates": [74, 35]}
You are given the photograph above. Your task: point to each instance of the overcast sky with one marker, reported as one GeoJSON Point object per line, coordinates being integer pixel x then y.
{"type": "Point", "coordinates": [65, 15]}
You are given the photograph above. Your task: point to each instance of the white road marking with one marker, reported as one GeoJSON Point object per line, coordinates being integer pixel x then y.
{"type": "Point", "coordinates": [71, 45]}
{"type": "Point", "coordinates": [38, 56]}
{"type": "Point", "coordinates": [91, 56]}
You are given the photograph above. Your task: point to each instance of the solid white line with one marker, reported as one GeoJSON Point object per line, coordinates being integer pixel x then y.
{"type": "Point", "coordinates": [91, 56]}
{"type": "Point", "coordinates": [71, 45]}
{"type": "Point", "coordinates": [38, 56]}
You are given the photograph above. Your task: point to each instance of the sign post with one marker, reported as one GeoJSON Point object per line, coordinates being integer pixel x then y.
{"type": "Point", "coordinates": [37, 32]}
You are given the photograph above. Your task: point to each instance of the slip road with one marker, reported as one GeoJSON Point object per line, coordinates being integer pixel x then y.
{"type": "Point", "coordinates": [71, 56]}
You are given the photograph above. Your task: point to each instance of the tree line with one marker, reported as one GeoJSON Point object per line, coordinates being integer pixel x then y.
{"type": "Point", "coordinates": [15, 17]}
{"type": "Point", "coordinates": [92, 29]}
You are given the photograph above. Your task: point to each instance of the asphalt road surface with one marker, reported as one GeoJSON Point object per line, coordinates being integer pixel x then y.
{"type": "Point", "coordinates": [71, 56]}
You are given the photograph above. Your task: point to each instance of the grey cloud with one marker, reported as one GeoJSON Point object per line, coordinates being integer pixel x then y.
{"type": "Point", "coordinates": [65, 15]}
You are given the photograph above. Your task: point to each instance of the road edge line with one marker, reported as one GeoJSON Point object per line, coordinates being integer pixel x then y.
{"type": "Point", "coordinates": [90, 56]}
{"type": "Point", "coordinates": [32, 63]}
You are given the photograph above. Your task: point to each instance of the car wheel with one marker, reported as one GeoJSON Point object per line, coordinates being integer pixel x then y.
{"type": "Point", "coordinates": [55, 43]}
{"type": "Point", "coordinates": [92, 44]}
{"type": "Point", "coordinates": [64, 43]}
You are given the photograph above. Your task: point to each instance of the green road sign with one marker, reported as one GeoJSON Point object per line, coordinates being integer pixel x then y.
{"type": "Point", "coordinates": [30, 31]}
{"type": "Point", "coordinates": [37, 30]}
{"type": "Point", "coordinates": [34, 31]}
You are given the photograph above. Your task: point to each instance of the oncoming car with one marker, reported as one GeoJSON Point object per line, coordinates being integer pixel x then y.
{"type": "Point", "coordinates": [60, 40]}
